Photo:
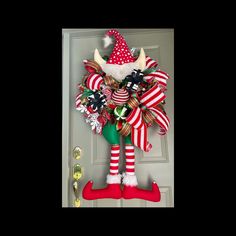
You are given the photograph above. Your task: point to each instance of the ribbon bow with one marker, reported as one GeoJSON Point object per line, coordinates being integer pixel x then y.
{"type": "Point", "coordinates": [133, 80]}
{"type": "Point", "coordinates": [93, 67]}
{"type": "Point", "coordinates": [96, 101]}
{"type": "Point", "coordinates": [144, 110]}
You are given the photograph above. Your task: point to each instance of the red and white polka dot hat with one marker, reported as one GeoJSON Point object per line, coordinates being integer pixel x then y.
{"type": "Point", "coordinates": [121, 53]}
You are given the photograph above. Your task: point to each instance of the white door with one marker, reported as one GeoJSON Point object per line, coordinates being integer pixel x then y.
{"type": "Point", "coordinates": [158, 164]}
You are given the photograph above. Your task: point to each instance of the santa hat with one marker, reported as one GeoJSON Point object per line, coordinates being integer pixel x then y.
{"type": "Point", "coordinates": [121, 53]}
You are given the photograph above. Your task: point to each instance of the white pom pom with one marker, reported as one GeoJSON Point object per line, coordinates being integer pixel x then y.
{"type": "Point", "coordinates": [114, 179]}
{"type": "Point", "coordinates": [130, 180]}
{"type": "Point", "coordinates": [107, 41]}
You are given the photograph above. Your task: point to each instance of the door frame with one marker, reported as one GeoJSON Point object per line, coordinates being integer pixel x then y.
{"type": "Point", "coordinates": [65, 116]}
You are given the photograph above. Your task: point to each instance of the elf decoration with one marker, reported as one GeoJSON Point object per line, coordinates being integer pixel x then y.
{"type": "Point", "coordinates": [123, 95]}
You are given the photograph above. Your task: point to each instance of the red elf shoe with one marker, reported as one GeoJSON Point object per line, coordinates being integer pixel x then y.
{"type": "Point", "coordinates": [111, 191]}
{"type": "Point", "coordinates": [131, 190]}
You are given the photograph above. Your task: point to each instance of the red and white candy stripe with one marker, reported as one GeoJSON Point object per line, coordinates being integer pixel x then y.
{"type": "Point", "coordinates": [161, 77]}
{"type": "Point", "coordinates": [135, 118]}
{"type": "Point", "coordinates": [139, 138]}
{"type": "Point", "coordinates": [114, 162]}
{"type": "Point", "coordinates": [139, 130]}
{"type": "Point", "coordinates": [152, 97]}
{"type": "Point", "coordinates": [150, 63]}
{"type": "Point", "coordinates": [77, 100]}
{"type": "Point", "coordinates": [130, 159]}
{"type": "Point", "coordinates": [150, 77]}
{"type": "Point", "coordinates": [158, 75]}
{"type": "Point", "coordinates": [94, 81]}
{"type": "Point", "coordinates": [161, 119]}
{"type": "Point", "coordinates": [120, 97]}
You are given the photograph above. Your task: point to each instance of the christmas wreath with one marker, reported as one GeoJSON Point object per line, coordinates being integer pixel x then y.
{"type": "Point", "coordinates": [123, 94]}
{"type": "Point", "coordinates": [103, 99]}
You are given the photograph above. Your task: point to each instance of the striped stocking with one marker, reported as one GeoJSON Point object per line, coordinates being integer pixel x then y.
{"type": "Point", "coordinates": [112, 190]}
{"type": "Point", "coordinates": [130, 182]}
{"type": "Point", "coordinates": [114, 163]}
{"type": "Point", "coordinates": [130, 159]}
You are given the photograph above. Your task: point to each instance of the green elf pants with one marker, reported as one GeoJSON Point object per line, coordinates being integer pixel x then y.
{"type": "Point", "coordinates": [112, 135]}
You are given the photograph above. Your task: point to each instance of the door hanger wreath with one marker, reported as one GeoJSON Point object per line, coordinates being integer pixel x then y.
{"type": "Point", "coordinates": [123, 95]}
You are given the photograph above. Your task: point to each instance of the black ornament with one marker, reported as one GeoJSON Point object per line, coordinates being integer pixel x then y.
{"type": "Point", "coordinates": [97, 101]}
{"type": "Point", "coordinates": [132, 81]}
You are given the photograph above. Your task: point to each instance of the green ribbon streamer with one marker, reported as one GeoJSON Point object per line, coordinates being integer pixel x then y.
{"type": "Point", "coordinates": [86, 93]}
{"type": "Point", "coordinates": [149, 70]}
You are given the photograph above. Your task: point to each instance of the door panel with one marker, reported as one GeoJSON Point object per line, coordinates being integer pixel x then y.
{"type": "Point", "coordinates": [156, 165]}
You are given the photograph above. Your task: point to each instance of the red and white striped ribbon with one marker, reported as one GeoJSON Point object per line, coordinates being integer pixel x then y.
{"type": "Point", "coordinates": [135, 118]}
{"type": "Point", "coordinates": [150, 62]}
{"type": "Point", "coordinates": [139, 138]}
{"type": "Point", "coordinates": [161, 119]}
{"type": "Point", "coordinates": [150, 77]}
{"type": "Point", "coordinates": [94, 81]}
{"type": "Point", "coordinates": [139, 130]}
{"type": "Point", "coordinates": [77, 100]}
{"type": "Point", "coordinates": [152, 97]}
{"type": "Point", "coordinates": [158, 75]}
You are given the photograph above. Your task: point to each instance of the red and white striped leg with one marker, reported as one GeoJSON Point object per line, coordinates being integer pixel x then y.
{"type": "Point", "coordinates": [113, 180]}
{"type": "Point", "coordinates": [130, 182]}
{"type": "Point", "coordinates": [114, 162]}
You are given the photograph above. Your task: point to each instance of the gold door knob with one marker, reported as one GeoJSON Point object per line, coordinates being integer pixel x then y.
{"type": "Point", "coordinates": [76, 192]}
{"type": "Point", "coordinates": [77, 153]}
{"type": "Point", "coordinates": [76, 189]}
{"type": "Point", "coordinates": [77, 174]}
